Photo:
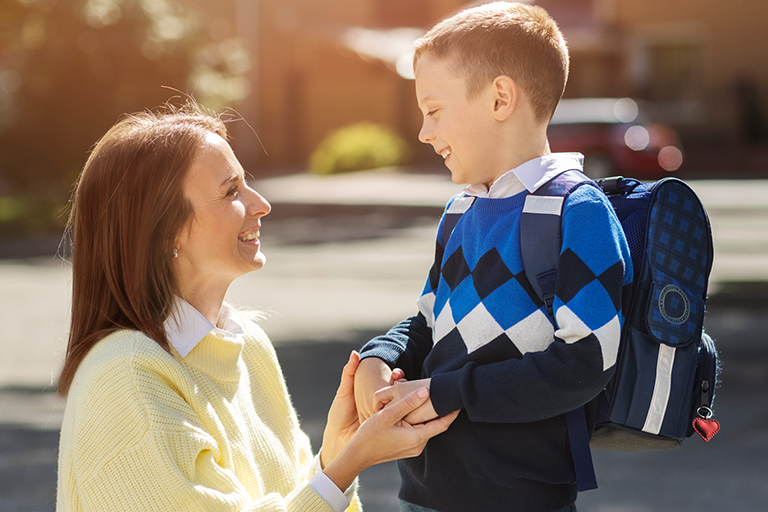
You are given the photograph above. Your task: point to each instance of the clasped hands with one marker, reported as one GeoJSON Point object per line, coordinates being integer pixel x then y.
{"type": "Point", "coordinates": [398, 388]}
{"type": "Point", "coordinates": [362, 430]}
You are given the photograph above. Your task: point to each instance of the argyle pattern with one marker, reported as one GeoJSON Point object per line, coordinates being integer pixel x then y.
{"type": "Point", "coordinates": [478, 292]}
{"type": "Point", "coordinates": [481, 312]}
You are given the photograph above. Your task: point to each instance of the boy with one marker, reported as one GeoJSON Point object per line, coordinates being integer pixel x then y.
{"type": "Point", "coordinates": [487, 81]}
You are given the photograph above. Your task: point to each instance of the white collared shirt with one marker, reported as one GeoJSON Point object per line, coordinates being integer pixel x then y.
{"type": "Point", "coordinates": [186, 327]}
{"type": "Point", "coordinates": [528, 176]}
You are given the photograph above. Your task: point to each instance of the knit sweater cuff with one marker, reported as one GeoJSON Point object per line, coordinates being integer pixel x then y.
{"type": "Point", "coordinates": [386, 353]}
{"type": "Point", "coordinates": [445, 392]}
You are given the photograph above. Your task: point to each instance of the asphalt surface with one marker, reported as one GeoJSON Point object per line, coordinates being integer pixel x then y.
{"type": "Point", "coordinates": [347, 256]}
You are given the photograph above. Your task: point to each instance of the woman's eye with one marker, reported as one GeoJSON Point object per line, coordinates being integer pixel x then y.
{"type": "Point", "coordinates": [232, 192]}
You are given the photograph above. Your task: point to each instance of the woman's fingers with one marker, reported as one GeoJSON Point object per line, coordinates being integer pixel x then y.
{"type": "Point", "coordinates": [401, 408]}
{"type": "Point", "coordinates": [347, 384]}
{"type": "Point", "coordinates": [426, 431]}
{"type": "Point", "coordinates": [343, 419]}
{"type": "Point", "coordinates": [438, 425]}
{"type": "Point", "coordinates": [413, 438]}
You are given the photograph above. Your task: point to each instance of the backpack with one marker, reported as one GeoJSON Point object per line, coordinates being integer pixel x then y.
{"type": "Point", "coordinates": [667, 366]}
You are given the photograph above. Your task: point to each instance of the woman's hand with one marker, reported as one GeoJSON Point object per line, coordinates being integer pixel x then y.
{"type": "Point", "coordinates": [391, 394]}
{"type": "Point", "coordinates": [343, 419]}
{"type": "Point", "coordinates": [386, 436]}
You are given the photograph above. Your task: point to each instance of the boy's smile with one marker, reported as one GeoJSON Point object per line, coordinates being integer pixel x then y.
{"type": "Point", "coordinates": [463, 131]}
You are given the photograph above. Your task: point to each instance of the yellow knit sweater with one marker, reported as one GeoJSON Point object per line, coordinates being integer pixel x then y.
{"type": "Point", "coordinates": [213, 431]}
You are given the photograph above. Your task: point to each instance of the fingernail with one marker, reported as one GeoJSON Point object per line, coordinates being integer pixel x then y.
{"type": "Point", "coordinates": [422, 392]}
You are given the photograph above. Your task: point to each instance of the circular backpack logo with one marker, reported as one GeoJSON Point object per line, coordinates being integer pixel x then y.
{"type": "Point", "coordinates": [674, 304]}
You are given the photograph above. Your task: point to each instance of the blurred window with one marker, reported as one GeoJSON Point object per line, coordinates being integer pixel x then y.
{"type": "Point", "coordinates": [570, 13]}
{"type": "Point", "coordinates": [675, 70]}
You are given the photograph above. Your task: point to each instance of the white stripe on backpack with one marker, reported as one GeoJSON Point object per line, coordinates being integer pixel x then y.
{"type": "Point", "coordinates": [664, 365]}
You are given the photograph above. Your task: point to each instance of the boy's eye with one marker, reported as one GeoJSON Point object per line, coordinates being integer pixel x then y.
{"type": "Point", "coordinates": [431, 112]}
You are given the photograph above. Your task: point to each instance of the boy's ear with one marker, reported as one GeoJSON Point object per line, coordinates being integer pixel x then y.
{"type": "Point", "coordinates": [505, 95]}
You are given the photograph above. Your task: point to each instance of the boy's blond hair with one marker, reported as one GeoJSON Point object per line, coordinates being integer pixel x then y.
{"type": "Point", "coordinates": [518, 40]}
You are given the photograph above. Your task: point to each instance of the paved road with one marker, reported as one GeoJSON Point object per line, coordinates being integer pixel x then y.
{"type": "Point", "coordinates": [338, 273]}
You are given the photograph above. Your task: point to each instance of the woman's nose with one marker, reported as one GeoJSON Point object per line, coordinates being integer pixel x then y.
{"type": "Point", "coordinates": [258, 205]}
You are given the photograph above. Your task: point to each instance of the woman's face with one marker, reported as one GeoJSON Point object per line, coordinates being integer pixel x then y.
{"type": "Point", "coordinates": [221, 240]}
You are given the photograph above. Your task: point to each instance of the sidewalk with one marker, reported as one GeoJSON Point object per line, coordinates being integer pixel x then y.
{"type": "Point", "coordinates": [347, 257]}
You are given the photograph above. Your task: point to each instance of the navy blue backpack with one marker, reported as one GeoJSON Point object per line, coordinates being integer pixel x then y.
{"type": "Point", "coordinates": [667, 366]}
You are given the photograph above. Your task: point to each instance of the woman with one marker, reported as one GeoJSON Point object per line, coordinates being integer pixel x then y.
{"type": "Point", "coordinates": [175, 401]}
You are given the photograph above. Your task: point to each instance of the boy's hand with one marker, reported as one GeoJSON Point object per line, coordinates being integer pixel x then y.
{"type": "Point", "coordinates": [372, 374]}
{"type": "Point", "coordinates": [400, 389]}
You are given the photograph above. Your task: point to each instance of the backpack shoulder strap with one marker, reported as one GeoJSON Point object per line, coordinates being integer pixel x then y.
{"type": "Point", "coordinates": [540, 233]}
{"type": "Point", "coordinates": [457, 208]}
{"type": "Point", "coordinates": [540, 245]}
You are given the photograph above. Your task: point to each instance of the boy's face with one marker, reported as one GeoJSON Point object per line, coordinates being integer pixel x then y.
{"type": "Point", "coordinates": [462, 131]}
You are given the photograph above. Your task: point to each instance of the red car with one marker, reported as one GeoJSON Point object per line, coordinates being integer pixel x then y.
{"type": "Point", "coordinates": [616, 137]}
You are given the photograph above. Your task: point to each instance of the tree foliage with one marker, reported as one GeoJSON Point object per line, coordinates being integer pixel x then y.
{"type": "Point", "coordinates": [70, 68]}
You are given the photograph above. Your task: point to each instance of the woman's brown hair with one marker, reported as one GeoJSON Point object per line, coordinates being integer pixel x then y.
{"type": "Point", "coordinates": [127, 209]}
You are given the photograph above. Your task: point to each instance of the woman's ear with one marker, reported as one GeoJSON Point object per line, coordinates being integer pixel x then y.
{"type": "Point", "coordinates": [505, 95]}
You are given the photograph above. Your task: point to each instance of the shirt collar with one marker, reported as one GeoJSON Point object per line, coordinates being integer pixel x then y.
{"type": "Point", "coordinates": [529, 176]}
{"type": "Point", "coordinates": [186, 326]}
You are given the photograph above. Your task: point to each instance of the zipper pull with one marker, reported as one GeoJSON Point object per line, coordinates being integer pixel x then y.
{"type": "Point", "coordinates": [705, 393]}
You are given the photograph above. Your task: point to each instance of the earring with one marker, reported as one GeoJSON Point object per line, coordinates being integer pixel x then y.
{"type": "Point", "coordinates": [175, 252]}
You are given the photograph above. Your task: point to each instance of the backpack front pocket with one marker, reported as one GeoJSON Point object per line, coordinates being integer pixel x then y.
{"type": "Point", "coordinates": [674, 316]}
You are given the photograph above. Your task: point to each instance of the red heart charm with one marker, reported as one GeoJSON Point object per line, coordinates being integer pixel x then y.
{"type": "Point", "coordinates": [706, 428]}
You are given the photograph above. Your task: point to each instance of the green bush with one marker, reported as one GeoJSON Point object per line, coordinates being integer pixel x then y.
{"type": "Point", "coordinates": [357, 147]}
{"type": "Point", "coordinates": [21, 216]}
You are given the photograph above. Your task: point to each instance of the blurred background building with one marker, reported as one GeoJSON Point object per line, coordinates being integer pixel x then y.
{"type": "Point", "coordinates": [296, 70]}
{"type": "Point", "coordinates": [318, 66]}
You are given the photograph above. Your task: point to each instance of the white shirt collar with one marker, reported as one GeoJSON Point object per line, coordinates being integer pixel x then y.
{"type": "Point", "coordinates": [186, 326]}
{"type": "Point", "coordinates": [528, 176]}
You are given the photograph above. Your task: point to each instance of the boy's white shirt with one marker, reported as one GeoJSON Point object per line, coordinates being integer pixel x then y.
{"type": "Point", "coordinates": [528, 176]}
{"type": "Point", "coordinates": [186, 327]}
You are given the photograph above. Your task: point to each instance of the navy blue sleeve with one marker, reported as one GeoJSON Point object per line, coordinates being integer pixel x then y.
{"type": "Point", "coordinates": [405, 346]}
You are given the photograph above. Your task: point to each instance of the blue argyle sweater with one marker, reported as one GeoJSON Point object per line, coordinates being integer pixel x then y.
{"type": "Point", "coordinates": [484, 338]}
